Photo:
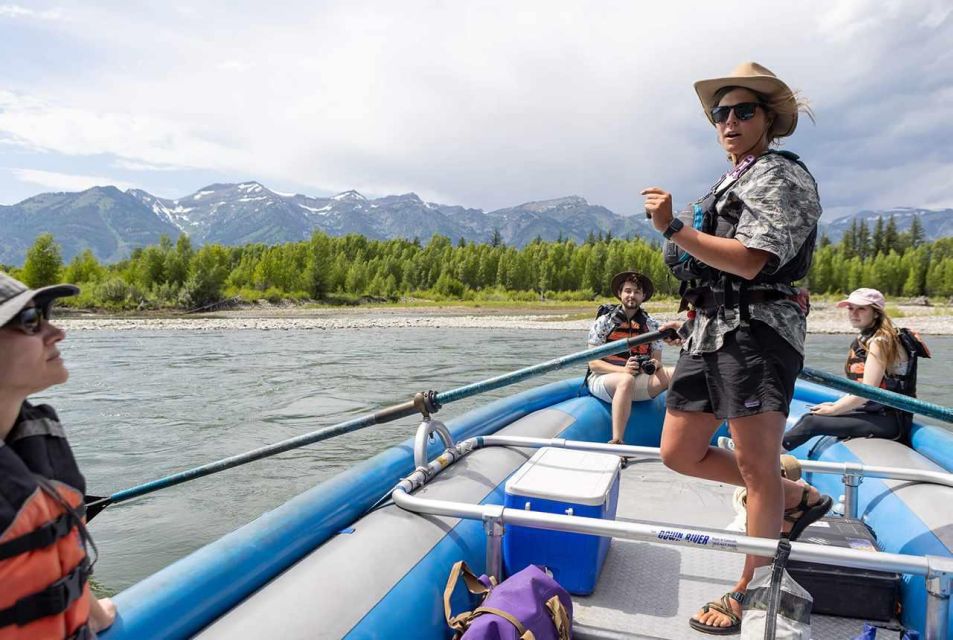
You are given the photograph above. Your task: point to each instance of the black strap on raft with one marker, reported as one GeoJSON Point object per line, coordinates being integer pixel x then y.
{"type": "Point", "coordinates": [51, 601]}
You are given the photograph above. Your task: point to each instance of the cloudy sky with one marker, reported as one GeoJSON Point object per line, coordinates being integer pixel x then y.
{"type": "Point", "coordinates": [484, 104]}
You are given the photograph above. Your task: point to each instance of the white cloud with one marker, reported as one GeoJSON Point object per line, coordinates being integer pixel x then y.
{"type": "Point", "coordinates": [65, 181]}
{"type": "Point", "coordinates": [17, 11]}
{"type": "Point", "coordinates": [486, 104]}
{"type": "Point", "coordinates": [135, 165]}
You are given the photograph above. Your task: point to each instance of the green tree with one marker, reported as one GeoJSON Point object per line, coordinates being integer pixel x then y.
{"type": "Point", "coordinates": [84, 267]}
{"type": "Point", "coordinates": [496, 240]}
{"type": "Point", "coordinates": [43, 264]}
{"type": "Point", "coordinates": [916, 232]}
{"type": "Point", "coordinates": [891, 237]}
{"type": "Point", "coordinates": [878, 238]}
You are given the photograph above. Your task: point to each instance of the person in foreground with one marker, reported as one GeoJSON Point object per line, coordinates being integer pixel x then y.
{"type": "Point", "coordinates": [44, 546]}
{"type": "Point", "coordinates": [881, 356]}
{"type": "Point", "coordinates": [635, 374]}
{"type": "Point", "coordinates": [743, 342]}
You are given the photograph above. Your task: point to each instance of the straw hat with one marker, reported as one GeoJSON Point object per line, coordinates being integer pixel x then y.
{"type": "Point", "coordinates": [648, 288]}
{"type": "Point", "coordinates": [751, 75]}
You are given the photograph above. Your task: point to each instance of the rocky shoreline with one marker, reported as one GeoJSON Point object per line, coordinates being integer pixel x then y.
{"type": "Point", "coordinates": [824, 318]}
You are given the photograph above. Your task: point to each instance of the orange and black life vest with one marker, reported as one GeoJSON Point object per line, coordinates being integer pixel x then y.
{"type": "Point", "coordinates": [906, 384]}
{"type": "Point", "coordinates": [44, 566]}
{"type": "Point", "coordinates": [623, 328]}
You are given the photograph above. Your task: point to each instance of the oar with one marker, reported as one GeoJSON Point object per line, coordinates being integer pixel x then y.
{"type": "Point", "coordinates": [889, 398]}
{"type": "Point", "coordinates": [422, 403]}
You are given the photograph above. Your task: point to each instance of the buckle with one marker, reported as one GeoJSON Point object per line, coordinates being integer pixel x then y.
{"type": "Point", "coordinates": [54, 599]}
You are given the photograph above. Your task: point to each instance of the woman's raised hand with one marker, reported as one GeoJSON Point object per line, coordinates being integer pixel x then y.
{"type": "Point", "coordinates": [658, 206]}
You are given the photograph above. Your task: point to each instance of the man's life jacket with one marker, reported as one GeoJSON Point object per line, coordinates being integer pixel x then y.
{"type": "Point", "coordinates": [44, 565]}
{"type": "Point", "coordinates": [706, 288]}
{"type": "Point", "coordinates": [623, 328]}
{"type": "Point", "coordinates": [912, 345]}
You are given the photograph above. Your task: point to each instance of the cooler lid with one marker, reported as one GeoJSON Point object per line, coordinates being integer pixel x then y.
{"type": "Point", "coordinates": [579, 477]}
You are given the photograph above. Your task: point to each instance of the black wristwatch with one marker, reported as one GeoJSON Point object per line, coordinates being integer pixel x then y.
{"type": "Point", "coordinates": [673, 227]}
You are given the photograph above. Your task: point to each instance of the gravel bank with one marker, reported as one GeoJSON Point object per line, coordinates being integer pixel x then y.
{"type": "Point", "coordinates": [824, 318]}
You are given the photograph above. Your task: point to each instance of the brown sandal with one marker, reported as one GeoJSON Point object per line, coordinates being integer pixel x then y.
{"type": "Point", "coordinates": [723, 607]}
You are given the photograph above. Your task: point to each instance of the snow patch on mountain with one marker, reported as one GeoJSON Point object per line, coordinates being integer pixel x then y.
{"type": "Point", "coordinates": [348, 195]}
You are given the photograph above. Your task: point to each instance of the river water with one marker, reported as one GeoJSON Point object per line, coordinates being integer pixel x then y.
{"type": "Point", "coordinates": [144, 404]}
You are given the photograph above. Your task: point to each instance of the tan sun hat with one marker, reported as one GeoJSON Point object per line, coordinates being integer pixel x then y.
{"type": "Point", "coordinates": [751, 75]}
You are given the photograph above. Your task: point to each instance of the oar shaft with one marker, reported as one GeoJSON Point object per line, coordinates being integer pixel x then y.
{"type": "Point", "coordinates": [552, 365]}
{"type": "Point", "coordinates": [888, 398]}
{"type": "Point", "coordinates": [388, 414]}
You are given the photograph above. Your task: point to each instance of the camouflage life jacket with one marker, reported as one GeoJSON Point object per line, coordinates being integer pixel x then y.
{"type": "Point", "coordinates": [707, 289]}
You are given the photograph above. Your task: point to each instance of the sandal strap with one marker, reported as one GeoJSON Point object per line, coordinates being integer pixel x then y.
{"type": "Point", "coordinates": [789, 514]}
{"type": "Point", "coordinates": [724, 610]}
{"type": "Point", "coordinates": [723, 606]}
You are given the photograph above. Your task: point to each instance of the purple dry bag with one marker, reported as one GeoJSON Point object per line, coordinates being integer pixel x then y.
{"type": "Point", "coordinates": [529, 605]}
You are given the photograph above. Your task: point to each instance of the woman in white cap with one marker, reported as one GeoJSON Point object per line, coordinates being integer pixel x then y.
{"type": "Point", "coordinates": [739, 250]}
{"type": "Point", "coordinates": [882, 356]}
{"type": "Point", "coordinates": [44, 547]}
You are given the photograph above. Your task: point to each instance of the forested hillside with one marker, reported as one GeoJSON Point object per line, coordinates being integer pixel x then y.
{"type": "Point", "coordinates": [350, 268]}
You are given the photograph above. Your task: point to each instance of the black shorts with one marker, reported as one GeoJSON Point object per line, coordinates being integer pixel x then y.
{"type": "Point", "coordinates": [754, 372]}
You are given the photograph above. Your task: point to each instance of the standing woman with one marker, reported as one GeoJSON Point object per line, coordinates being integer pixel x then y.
{"type": "Point", "coordinates": [743, 343]}
{"type": "Point", "coordinates": [881, 356]}
{"type": "Point", "coordinates": [44, 564]}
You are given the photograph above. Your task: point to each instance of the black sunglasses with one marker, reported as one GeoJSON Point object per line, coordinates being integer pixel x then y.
{"type": "Point", "coordinates": [30, 319]}
{"type": "Point", "coordinates": [743, 111]}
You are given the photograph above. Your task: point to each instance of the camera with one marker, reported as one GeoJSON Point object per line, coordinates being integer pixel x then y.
{"type": "Point", "coordinates": [647, 365]}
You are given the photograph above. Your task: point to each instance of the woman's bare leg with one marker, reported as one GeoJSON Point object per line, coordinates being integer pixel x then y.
{"type": "Point", "coordinates": [754, 464]}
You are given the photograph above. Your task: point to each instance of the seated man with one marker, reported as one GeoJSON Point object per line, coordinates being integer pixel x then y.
{"type": "Point", "coordinates": [634, 374]}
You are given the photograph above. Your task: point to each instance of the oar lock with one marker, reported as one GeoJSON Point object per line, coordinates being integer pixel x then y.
{"type": "Point", "coordinates": [426, 403]}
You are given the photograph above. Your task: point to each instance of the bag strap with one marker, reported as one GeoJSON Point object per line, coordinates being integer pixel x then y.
{"type": "Point", "coordinates": [560, 618]}
{"type": "Point", "coordinates": [459, 623]}
{"type": "Point", "coordinates": [774, 597]}
{"type": "Point", "coordinates": [525, 634]}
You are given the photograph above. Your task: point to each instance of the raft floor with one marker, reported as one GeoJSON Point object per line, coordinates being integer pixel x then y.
{"type": "Point", "coordinates": [649, 590]}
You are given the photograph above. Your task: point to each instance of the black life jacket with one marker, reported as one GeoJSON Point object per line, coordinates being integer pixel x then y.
{"type": "Point", "coordinates": [44, 565]}
{"type": "Point", "coordinates": [913, 346]}
{"type": "Point", "coordinates": [698, 278]}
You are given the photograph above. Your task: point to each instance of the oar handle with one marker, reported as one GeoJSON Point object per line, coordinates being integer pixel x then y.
{"type": "Point", "coordinates": [888, 398]}
{"type": "Point", "coordinates": [388, 414]}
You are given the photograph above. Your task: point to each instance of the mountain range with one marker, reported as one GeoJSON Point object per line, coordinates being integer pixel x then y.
{"type": "Point", "coordinates": [112, 222]}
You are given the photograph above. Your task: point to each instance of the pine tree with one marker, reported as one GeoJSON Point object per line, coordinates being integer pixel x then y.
{"type": "Point", "coordinates": [497, 239]}
{"type": "Point", "coordinates": [916, 232]}
{"type": "Point", "coordinates": [849, 241]}
{"type": "Point", "coordinates": [862, 243]}
{"type": "Point", "coordinates": [878, 239]}
{"type": "Point", "coordinates": [891, 237]}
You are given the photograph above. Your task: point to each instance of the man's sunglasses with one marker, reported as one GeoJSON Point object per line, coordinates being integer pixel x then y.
{"type": "Point", "coordinates": [30, 319]}
{"type": "Point", "coordinates": [743, 111]}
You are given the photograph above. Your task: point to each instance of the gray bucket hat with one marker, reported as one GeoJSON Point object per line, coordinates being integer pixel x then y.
{"type": "Point", "coordinates": [14, 295]}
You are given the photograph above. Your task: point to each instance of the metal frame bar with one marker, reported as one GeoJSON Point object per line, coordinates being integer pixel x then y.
{"type": "Point", "coordinates": [938, 571]}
